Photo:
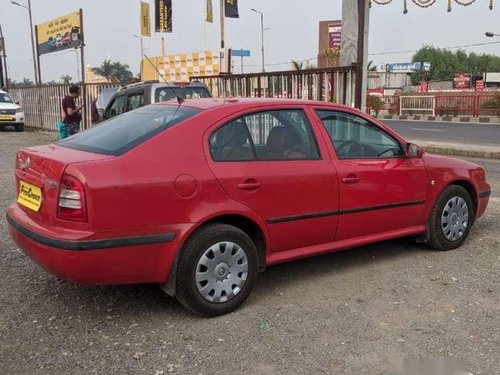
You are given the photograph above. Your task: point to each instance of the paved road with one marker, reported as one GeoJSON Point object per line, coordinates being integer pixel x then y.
{"type": "Point", "coordinates": [480, 134]}
{"type": "Point", "coordinates": [352, 313]}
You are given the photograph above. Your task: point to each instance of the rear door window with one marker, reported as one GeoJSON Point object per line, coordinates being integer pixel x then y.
{"type": "Point", "coordinates": [268, 135]}
{"type": "Point", "coordinates": [122, 133]}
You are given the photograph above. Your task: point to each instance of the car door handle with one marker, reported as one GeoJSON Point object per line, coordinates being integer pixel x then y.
{"type": "Point", "coordinates": [249, 185]}
{"type": "Point", "coordinates": [350, 179]}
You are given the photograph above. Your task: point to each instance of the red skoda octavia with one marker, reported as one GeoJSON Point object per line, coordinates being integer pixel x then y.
{"type": "Point", "coordinates": [201, 196]}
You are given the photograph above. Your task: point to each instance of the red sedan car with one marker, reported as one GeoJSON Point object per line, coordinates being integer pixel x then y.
{"type": "Point", "coordinates": [201, 196]}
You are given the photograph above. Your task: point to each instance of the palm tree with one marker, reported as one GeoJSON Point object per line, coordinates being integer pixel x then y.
{"type": "Point", "coordinates": [105, 70]}
{"type": "Point", "coordinates": [27, 82]}
{"type": "Point", "coordinates": [114, 72]}
{"type": "Point", "coordinates": [371, 67]}
{"type": "Point", "coordinates": [66, 79]}
{"type": "Point", "coordinates": [297, 65]}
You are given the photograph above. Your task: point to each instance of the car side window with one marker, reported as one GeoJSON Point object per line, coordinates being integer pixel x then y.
{"type": "Point", "coordinates": [135, 100]}
{"type": "Point", "coordinates": [117, 107]}
{"type": "Point", "coordinates": [354, 137]}
{"type": "Point", "coordinates": [268, 135]}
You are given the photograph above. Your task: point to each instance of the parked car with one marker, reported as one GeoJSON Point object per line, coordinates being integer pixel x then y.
{"type": "Point", "coordinates": [202, 195]}
{"type": "Point", "coordinates": [11, 112]}
{"type": "Point", "coordinates": [143, 93]}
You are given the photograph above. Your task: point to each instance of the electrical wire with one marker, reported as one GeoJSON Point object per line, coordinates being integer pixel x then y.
{"type": "Point", "coordinates": [381, 53]}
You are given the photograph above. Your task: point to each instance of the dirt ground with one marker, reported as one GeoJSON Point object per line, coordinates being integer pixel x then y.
{"type": "Point", "coordinates": [361, 311]}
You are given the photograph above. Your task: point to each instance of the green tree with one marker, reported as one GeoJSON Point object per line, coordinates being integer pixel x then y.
{"type": "Point", "coordinates": [445, 63]}
{"type": "Point", "coordinates": [66, 79]}
{"type": "Point", "coordinates": [114, 72]}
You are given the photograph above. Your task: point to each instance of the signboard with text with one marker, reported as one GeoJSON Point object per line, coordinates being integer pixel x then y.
{"type": "Point", "coordinates": [479, 85]}
{"type": "Point", "coordinates": [59, 34]}
{"type": "Point", "coordinates": [424, 86]}
{"type": "Point", "coordinates": [461, 81]}
{"type": "Point", "coordinates": [334, 36]}
{"type": "Point", "coordinates": [409, 67]}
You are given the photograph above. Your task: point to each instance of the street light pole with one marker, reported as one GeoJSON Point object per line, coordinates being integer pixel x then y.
{"type": "Point", "coordinates": [37, 79]}
{"type": "Point", "coordinates": [142, 52]}
{"type": "Point", "coordinates": [262, 34]}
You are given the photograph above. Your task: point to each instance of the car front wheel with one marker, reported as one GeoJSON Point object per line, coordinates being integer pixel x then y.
{"type": "Point", "coordinates": [217, 270]}
{"type": "Point", "coordinates": [19, 127]}
{"type": "Point", "coordinates": [451, 218]}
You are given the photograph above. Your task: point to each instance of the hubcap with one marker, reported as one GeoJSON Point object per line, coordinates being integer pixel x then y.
{"type": "Point", "coordinates": [455, 218]}
{"type": "Point", "coordinates": [221, 272]}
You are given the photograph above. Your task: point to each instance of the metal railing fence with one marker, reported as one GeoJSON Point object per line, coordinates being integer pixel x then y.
{"type": "Point", "coordinates": [329, 84]}
{"type": "Point", "coordinates": [42, 105]}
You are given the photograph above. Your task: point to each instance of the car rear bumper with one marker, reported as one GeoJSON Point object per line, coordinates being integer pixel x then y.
{"type": "Point", "coordinates": [125, 260]}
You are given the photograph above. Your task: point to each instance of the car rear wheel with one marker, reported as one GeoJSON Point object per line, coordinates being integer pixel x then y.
{"type": "Point", "coordinates": [217, 270]}
{"type": "Point", "coordinates": [451, 218]}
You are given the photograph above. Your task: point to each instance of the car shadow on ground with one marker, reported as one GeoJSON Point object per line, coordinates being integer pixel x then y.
{"type": "Point", "coordinates": [7, 128]}
{"type": "Point", "coordinates": [134, 300]}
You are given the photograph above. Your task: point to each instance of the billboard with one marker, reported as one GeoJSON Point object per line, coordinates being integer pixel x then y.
{"type": "Point", "coordinates": [461, 81]}
{"type": "Point", "coordinates": [60, 33]}
{"type": "Point", "coordinates": [334, 36]}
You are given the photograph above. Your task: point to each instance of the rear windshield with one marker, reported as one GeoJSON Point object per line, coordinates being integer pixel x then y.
{"type": "Point", "coordinates": [184, 92]}
{"type": "Point", "coordinates": [122, 133]}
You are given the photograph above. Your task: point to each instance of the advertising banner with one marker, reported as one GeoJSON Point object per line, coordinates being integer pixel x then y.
{"type": "Point", "coordinates": [479, 85]}
{"type": "Point", "coordinates": [163, 16]}
{"type": "Point", "coordinates": [59, 34]}
{"type": "Point", "coordinates": [424, 86]}
{"type": "Point", "coordinates": [334, 36]}
{"type": "Point", "coordinates": [145, 19]}
{"type": "Point", "coordinates": [461, 81]}
{"type": "Point", "coordinates": [209, 16]}
{"type": "Point", "coordinates": [231, 9]}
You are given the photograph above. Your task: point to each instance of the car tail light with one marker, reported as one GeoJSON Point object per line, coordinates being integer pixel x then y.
{"type": "Point", "coordinates": [71, 200]}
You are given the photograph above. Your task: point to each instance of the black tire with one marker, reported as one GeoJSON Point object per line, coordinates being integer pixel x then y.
{"type": "Point", "coordinates": [190, 258]}
{"type": "Point", "coordinates": [19, 127]}
{"type": "Point", "coordinates": [437, 237]}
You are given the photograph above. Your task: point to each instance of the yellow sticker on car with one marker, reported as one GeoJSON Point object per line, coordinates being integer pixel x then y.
{"type": "Point", "coordinates": [7, 117]}
{"type": "Point", "coordinates": [30, 196]}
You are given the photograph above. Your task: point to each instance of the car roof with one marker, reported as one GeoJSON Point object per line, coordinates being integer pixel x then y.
{"type": "Point", "coordinates": [209, 103]}
{"type": "Point", "coordinates": [157, 84]}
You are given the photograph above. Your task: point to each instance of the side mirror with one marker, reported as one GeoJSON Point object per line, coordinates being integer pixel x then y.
{"type": "Point", "coordinates": [414, 151]}
{"type": "Point", "coordinates": [17, 102]}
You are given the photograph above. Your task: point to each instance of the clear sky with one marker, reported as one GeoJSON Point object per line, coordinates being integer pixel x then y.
{"type": "Point", "coordinates": [293, 34]}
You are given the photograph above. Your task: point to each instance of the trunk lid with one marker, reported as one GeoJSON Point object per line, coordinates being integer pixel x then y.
{"type": "Point", "coordinates": [38, 175]}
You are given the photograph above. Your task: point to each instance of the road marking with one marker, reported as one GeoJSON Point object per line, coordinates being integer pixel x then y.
{"type": "Point", "coordinates": [429, 130]}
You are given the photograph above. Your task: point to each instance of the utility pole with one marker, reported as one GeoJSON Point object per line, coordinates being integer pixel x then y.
{"type": "Point", "coordinates": [4, 78]}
